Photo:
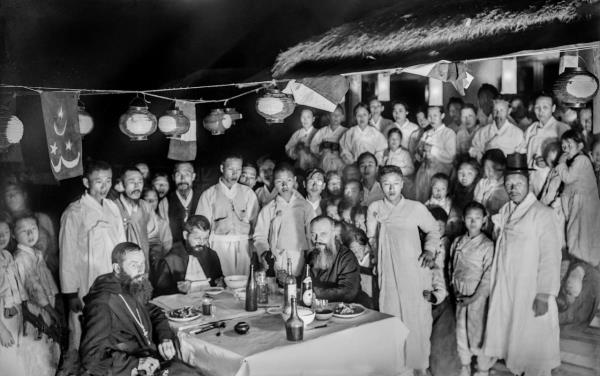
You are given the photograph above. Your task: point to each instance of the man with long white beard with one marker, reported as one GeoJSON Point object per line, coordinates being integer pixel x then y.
{"type": "Point", "coordinates": [335, 271]}
{"type": "Point", "coordinates": [123, 334]}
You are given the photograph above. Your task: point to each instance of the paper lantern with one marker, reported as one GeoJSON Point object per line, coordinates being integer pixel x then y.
{"type": "Point", "coordinates": [575, 87]}
{"type": "Point", "coordinates": [436, 92]}
{"type": "Point", "coordinates": [509, 76]}
{"type": "Point", "coordinates": [383, 87]}
{"type": "Point", "coordinates": [11, 131]}
{"type": "Point", "coordinates": [220, 120]}
{"type": "Point", "coordinates": [275, 106]}
{"type": "Point", "coordinates": [173, 123]}
{"type": "Point", "coordinates": [86, 123]}
{"type": "Point", "coordinates": [138, 122]}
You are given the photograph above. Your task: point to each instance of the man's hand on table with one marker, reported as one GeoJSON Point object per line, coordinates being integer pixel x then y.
{"type": "Point", "coordinates": [166, 349]}
{"type": "Point", "coordinates": [146, 366]}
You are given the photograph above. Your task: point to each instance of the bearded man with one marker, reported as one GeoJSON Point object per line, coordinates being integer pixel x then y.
{"type": "Point", "coordinates": [123, 334]}
{"type": "Point", "coordinates": [335, 271]}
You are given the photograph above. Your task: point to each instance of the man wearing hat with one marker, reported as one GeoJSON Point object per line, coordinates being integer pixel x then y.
{"type": "Point", "coordinates": [522, 326]}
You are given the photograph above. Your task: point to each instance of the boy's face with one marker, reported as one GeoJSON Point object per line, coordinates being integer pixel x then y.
{"type": "Point", "coordinates": [26, 232]}
{"type": "Point", "coordinates": [98, 183]}
{"type": "Point", "coordinates": [434, 116]}
{"type": "Point", "coordinates": [392, 184]}
{"type": "Point", "coordinates": [231, 170]}
{"type": "Point", "coordinates": [474, 219]}
{"type": "Point", "coordinates": [284, 182]}
{"type": "Point", "coordinates": [596, 154]}
{"type": "Point", "coordinates": [543, 109]}
{"type": "Point", "coordinates": [466, 175]}
{"type": "Point", "coordinates": [352, 192]}
{"type": "Point", "coordinates": [394, 141]}
{"type": "Point", "coordinates": [4, 235]}
{"type": "Point", "coordinates": [14, 198]}
{"type": "Point", "coordinates": [332, 212]}
{"type": "Point", "coordinates": [468, 117]}
{"type": "Point", "coordinates": [399, 113]}
{"type": "Point", "coordinates": [248, 176]}
{"type": "Point", "coordinates": [161, 184]}
{"type": "Point", "coordinates": [368, 167]}
{"type": "Point", "coordinates": [334, 185]}
{"type": "Point", "coordinates": [315, 183]}
{"type": "Point", "coordinates": [133, 182]}
{"type": "Point", "coordinates": [307, 118]}
{"type": "Point", "coordinates": [439, 189]}
{"type": "Point", "coordinates": [376, 108]}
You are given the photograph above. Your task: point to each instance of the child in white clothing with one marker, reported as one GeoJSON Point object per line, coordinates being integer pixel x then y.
{"type": "Point", "coordinates": [439, 193]}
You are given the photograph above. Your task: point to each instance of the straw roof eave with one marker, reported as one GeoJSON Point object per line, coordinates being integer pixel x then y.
{"type": "Point", "coordinates": [452, 30]}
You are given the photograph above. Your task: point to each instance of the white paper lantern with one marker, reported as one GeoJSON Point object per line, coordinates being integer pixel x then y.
{"type": "Point", "coordinates": [86, 122]}
{"type": "Point", "coordinates": [11, 131]}
{"type": "Point", "coordinates": [173, 123]}
{"type": "Point", "coordinates": [138, 122]}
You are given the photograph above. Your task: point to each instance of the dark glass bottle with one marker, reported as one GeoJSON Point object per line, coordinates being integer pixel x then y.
{"type": "Point", "coordinates": [290, 289]}
{"type": "Point", "coordinates": [307, 289]}
{"type": "Point", "coordinates": [294, 326]}
{"type": "Point", "coordinates": [251, 292]}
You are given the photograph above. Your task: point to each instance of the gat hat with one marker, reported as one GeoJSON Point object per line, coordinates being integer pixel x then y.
{"type": "Point", "coordinates": [516, 163]}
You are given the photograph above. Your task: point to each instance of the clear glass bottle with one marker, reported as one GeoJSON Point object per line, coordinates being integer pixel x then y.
{"type": "Point", "coordinates": [290, 290]}
{"type": "Point", "coordinates": [251, 292]}
{"type": "Point", "coordinates": [294, 326]}
{"type": "Point", "coordinates": [307, 289]}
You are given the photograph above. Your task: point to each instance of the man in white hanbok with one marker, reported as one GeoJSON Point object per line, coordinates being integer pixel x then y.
{"type": "Point", "coordinates": [232, 209]}
{"type": "Point", "coordinates": [283, 225]}
{"type": "Point", "coordinates": [522, 326]}
{"type": "Point", "coordinates": [89, 230]}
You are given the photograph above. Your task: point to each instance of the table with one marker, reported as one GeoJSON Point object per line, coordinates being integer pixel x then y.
{"type": "Point", "coordinates": [371, 344]}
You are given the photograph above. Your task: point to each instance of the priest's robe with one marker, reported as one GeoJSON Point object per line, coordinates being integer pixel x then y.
{"type": "Point", "coordinates": [232, 214]}
{"type": "Point", "coordinates": [526, 262]}
{"type": "Point", "coordinates": [284, 229]}
{"type": "Point", "coordinates": [89, 231]}
{"type": "Point", "coordinates": [402, 280]}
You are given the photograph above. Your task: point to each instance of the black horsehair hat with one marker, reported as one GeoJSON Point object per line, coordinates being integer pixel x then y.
{"type": "Point", "coordinates": [516, 163]}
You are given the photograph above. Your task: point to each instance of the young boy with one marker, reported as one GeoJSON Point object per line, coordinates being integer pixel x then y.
{"type": "Point", "coordinates": [396, 154]}
{"type": "Point", "coordinates": [472, 256]}
{"type": "Point", "coordinates": [282, 227]}
{"type": "Point", "coordinates": [248, 176]}
{"type": "Point", "coordinates": [39, 285]}
{"type": "Point", "coordinates": [439, 192]}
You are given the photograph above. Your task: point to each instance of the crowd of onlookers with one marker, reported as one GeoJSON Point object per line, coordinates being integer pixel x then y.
{"type": "Point", "coordinates": [455, 161]}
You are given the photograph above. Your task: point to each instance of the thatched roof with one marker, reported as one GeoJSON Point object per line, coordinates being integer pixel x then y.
{"type": "Point", "coordinates": [421, 31]}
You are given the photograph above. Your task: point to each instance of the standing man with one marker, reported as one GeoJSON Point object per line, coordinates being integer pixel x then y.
{"type": "Point", "coordinates": [500, 134]}
{"type": "Point", "coordinates": [544, 131]}
{"type": "Point", "coordinates": [522, 326]}
{"type": "Point", "coordinates": [182, 203]}
{"type": "Point", "coordinates": [377, 121]}
{"type": "Point", "coordinates": [232, 209]}
{"type": "Point", "coordinates": [89, 230]}
{"type": "Point", "coordinates": [135, 212]}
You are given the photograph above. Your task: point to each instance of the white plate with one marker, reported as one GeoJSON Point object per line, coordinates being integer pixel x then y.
{"type": "Point", "coordinates": [184, 319]}
{"type": "Point", "coordinates": [214, 290]}
{"type": "Point", "coordinates": [358, 310]}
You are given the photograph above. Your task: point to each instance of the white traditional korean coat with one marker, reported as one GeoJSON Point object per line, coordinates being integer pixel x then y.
{"type": "Point", "coordinates": [88, 234]}
{"type": "Point", "coordinates": [402, 280]}
{"type": "Point", "coordinates": [232, 214]}
{"type": "Point", "coordinates": [526, 262]}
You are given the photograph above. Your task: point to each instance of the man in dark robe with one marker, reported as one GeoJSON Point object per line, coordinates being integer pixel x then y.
{"type": "Point", "coordinates": [123, 334]}
{"type": "Point", "coordinates": [335, 271]}
{"type": "Point", "coordinates": [190, 260]}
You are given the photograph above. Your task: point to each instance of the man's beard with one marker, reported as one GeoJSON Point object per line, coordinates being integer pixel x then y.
{"type": "Point", "coordinates": [322, 259]}
{"type": "Point", "coordinates": [139, 287]}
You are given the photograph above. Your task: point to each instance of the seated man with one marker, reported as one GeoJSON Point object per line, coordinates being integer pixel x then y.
{"type": "Point", "coordinates": [191, 260]}
{"type": "Point", "coordinates": [335, 271]}
{"type": "Point", "coordinates": [123, 334]}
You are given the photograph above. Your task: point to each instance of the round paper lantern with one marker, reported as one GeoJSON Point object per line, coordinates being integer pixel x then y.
{"type": "Point", "coordinates": [138, 123]}
{"type": "Point", "coordinates": [11, 131]}
{"type": "Point", "coordinates": [220, 120]}
{"type": "Point", "coordinates": [86, 123]}
{"type": "Point", "coordinates": [575, 87]}
{"type": "Point", "coordinates": [275, 106]}
{"type": "Point", "coordinates": [173, 123]}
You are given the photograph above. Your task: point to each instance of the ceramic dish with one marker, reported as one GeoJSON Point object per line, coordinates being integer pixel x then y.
{"type": "Point", "coordinates": [306, 314]}
{"type": "Point", "coordinates": [184, 314]}
{"type": "Point", "coordinates": [236, 281]}
{"type": "Point", "coordinates": [348, 311]}
{"type": "Point", "coordinates": [214, 290]}
{"type": "Point", "coordinates": [324, 314]}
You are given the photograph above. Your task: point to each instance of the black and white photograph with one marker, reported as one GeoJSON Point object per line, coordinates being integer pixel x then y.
{"type": "Point", "coordinates": [300, 188]}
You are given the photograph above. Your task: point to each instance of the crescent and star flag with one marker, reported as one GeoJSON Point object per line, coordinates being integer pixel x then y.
{"type": "Point", "coordinates": [62, 133]}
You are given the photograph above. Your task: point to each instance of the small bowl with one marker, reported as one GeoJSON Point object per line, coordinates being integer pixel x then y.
{"type": "Point", "coordinates": [241, 327]}
{"type": "Point", "coordinates": [324, 314]}
{"type": "Point", "coordinates": [236, 281]}
{"type": "Point", "coordinates": [306, 314]}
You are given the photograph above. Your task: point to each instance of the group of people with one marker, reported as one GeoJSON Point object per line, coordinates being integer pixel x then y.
{"type": "Point", "coordinates": [472, 209]}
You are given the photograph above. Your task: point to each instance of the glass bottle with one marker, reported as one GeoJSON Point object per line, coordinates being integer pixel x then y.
{"type": "Point", "coordinates": [289, 287]}
{"type": "Point", "coordinates": [263, 290]}
{"type": "Point", "coordinates": [251, 292]}
{"type": "Point", "coordinates": [294, 326]}
{"type": "Point", "coordinates": [307, 289]}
